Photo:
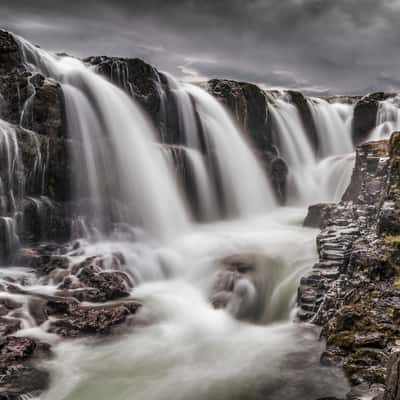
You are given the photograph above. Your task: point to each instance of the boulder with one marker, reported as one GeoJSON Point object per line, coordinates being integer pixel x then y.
{"type": "Point", "coordinates": [20, 378]}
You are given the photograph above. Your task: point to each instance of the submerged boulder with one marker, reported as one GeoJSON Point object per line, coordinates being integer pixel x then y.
{"type": "Point", "coordinates": [20, 377]}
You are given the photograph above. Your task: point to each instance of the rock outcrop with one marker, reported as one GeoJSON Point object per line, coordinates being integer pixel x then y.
{"type": "Point", "coordinates": [365, 113]}
{"type": "Point", "coordinates": [302, 105]}
{"type": "Point", "coordinates": [353, 291]}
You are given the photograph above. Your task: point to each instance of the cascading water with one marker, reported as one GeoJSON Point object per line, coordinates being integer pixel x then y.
{"type": "Point", "coordinates": [387, 119]}
{"type": "Point", "coordinates": [15, 182]}
{"type": "Point", "coordinates": [234, 175]}
{"type": "Point", "coordinates": [313, 177]}
{"type": "Point", "coordinates": [245, 188]}
{"type": "Point", "coordinates": [129, 180]}
{"type": "Point", "coordinates": [181, 344]}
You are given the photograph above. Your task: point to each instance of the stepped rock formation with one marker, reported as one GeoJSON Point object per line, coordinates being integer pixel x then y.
{"type": "Point", "coordinates": [353, 291]}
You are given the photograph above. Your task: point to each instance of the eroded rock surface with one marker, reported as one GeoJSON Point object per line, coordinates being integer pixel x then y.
{"type": "Point", "coordinates": [353, 291]}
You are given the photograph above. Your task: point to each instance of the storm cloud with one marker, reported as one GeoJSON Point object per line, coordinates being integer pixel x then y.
{"type": "Point", "coordinates": [318, 46]}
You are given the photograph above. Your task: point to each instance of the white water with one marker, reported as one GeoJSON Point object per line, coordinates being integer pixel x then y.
{"type": "Point", "coordinates": [14, 182]}
{"type": "Point", "coordinates": [333, 123]}
{"type": "Point", "coordinates": [128, 178]}
{"type": "Point", "coordinates": [246, 190]}
{"type": "Point", "coordinates": [178, 345]}
{"type": "Point", "coordinates": [387, 119]}
{"type": "Point", "coordinates": [313, 177]}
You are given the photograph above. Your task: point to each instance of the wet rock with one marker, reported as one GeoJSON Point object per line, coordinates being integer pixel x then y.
{"type": "Point", "coordinates": [10, 56]}
{"type": "Point", "coordinates": [316, 216]}
{"type": "Point", "coordinates": [19, 376]}
{"type": "Point", "coordinates": [139, 79]}
{"type": "Point", "coordinates": [365, 113]}
{"type": "Point", "coordinates": [91, 281]}
{"type": "Point", "coordinates": [279, 172]}
{"type": "Point", "coordinates": [392, 391]}
{"type": "Point", "coordinates": [7, 305]}
{"type": "Point", "coordinates": [307, 118]}
{"type": "Point", "coordinates": [369, 174]}
{"type": "Point", "coordinates": [247, 103]}
{"type": "Point", "coordinates": [79, 320]}
{"type": "Point", "coordinates": [358, 303]}
{"type": "Point", "coordinates": [9, 326]}
{"type": "Point", "coordinates": [389, 216]}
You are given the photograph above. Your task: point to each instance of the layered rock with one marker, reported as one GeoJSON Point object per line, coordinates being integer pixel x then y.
{"type": "Point", "coordinates": [353, 291]}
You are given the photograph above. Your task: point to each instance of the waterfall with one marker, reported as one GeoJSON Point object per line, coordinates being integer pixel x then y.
{"type": "Point", "coordinates": [245, 189]}
{"type": "Point", "coordinates": [229, 180]}
{"type": "Point", "coordinates": [333, 123]}
{"type": "Point", "coordinates": [387, 119]}
{"type": "Point", "coordinates": [128, 179]}
{"type": "Point", "coordinates": [15, 180]}
{"type": "Point", "coordinates": [207, 302]}
{"type": "Point", "coordinates": [313, 177]}
{"type": "Point", "coordinates": [191, 170]}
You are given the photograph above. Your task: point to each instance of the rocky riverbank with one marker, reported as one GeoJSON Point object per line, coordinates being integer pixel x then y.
{"type": "Point", "coordinates": [353, 291]}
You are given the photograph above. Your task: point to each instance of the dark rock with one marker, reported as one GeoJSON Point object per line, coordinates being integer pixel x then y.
{"type": "Point", "coordinates": [316, 216]}
{"type": "Point", "coordinates": [247, 103]}
{"type": "Point", "coordinates": [139, 79]}
{"type": "Point", "coordinates": [10, 56]}
{"type": "Point", "coordinates": [20, 377]}
{"type": "Point", "coordinates": [365, 113]}
{"type": "Point", "coordinates": [389, 216]}
{"type": "Point", "coordinates": [392, 391]}
{"type": "Point", "coordinates": [93, 320]}
{"type": "Point", "coordinates": [279, 173]}
{"type": "Point", "coordinates": [369, 174]}
{"type": "Point", "coordinates": [306, 116]}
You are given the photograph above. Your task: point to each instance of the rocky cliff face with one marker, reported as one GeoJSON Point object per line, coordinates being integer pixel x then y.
{"type": "Point", "coordinates": [35, 168]}
{"type": "Point", "coordinates": [353, 291]}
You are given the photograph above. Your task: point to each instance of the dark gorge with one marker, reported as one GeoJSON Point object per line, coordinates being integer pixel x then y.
{"type": "Point", "coordinates": [216, 240]}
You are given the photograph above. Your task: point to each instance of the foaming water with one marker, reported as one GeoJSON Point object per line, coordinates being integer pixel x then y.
{"type": "Point", "coordinates": [179, 346]}
{"type": "Point", "coordinates": [193, 352]}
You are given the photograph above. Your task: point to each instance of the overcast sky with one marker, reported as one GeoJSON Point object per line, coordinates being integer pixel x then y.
{"type": "Point", "coordinates": [318, 46]}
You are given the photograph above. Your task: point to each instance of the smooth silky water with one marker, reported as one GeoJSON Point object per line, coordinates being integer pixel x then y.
{"type": "Point", "coordinates": [178, 346]}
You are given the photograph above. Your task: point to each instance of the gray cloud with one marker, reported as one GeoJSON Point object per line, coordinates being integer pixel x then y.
{"type": "Point", "coordinates": [320, 46]}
